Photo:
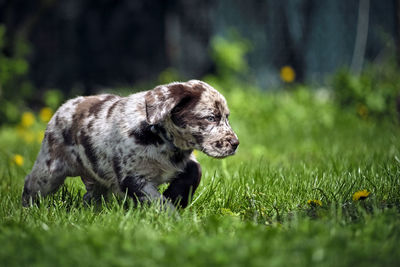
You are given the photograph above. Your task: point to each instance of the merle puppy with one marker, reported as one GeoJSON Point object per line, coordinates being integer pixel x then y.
{"type": "Point", "coordinates": [131, 145]}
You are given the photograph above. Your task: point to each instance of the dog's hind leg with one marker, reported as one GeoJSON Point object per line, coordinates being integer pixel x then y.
{"type": "Point", "coordinates": [49, 171]}
{"type": "Point", "coordinates": [42, 181]}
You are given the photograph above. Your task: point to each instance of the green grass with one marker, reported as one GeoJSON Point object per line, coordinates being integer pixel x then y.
{"type": "Point", "coordinates": [249, 210]}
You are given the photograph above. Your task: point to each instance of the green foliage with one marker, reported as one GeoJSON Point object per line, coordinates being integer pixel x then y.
{"type": "Point", "coordinates": [169, 75]}
{"type": "Point", "coordinates": [371, 95]}
{"type": "Point", "coordinates": [291, 115]}
{"type": "Point", "coordinates": [250, 209]}
{"type": "Point", "coordinates": [53, 98]}
{"type": "Point", "coordinates": [15, 87]}
{"type": "Point", "coordinates": [229, 56]}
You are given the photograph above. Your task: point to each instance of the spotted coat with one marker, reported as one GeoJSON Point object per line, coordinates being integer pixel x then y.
{"type": "Point", "coordinates": [131, 145]}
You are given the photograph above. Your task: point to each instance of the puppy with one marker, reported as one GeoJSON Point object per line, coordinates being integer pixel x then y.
{"type": "Point", "coordinates": [131, 145]}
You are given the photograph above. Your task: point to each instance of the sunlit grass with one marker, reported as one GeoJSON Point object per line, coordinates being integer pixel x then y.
{"type": "Point", "coordinates": [293, 195]}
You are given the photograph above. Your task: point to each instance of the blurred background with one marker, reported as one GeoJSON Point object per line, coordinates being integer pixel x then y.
{"type": "Point", "coordinates": [313, 91]}
{"type": "Point", "coordinates": [51, 50]}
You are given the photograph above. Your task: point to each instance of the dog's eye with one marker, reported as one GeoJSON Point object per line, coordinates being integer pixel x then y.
{"type": "Point", "coordinates": [211, 118]}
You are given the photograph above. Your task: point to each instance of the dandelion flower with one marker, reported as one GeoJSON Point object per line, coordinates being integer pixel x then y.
{"type": "Point", "coordinates": [45, 114]}
{"type": "Point", "coordinates": [18, 159]}
{"type": "Point", "coordinates": [360, 195]}
{"type": "Point", "coordinates": [27, 119]}
{"type": "Point", "coordinates": [362, 111]}
{"type": "Point", "coordinates": [226, 211]}
{"type": "Point", "coordinates": [314, 202]}
{"type": "Point", "coordinates": [287, 74]}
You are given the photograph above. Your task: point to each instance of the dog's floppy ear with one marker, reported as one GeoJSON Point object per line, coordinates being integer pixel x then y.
{"type": "Point", "coordinates": [164, 98]}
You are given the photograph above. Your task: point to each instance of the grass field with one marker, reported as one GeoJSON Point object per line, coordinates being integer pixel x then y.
{"type": "Point", "coordinates": [285, 199]}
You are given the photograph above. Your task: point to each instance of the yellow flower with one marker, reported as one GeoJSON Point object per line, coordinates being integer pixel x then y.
{"type": "Point", "coordinates": [314, 202]}
{"type": "Point", "coordinates": [27, 119]}
{"type": "Point", "coordinates": [45, 114]}
{"type": "Point", "coordinates": [360, 195]}
{"type": "Point", "coordinates": [195, 153]}
{"type": "Point", "coordinates": [18, 159]}
{"type": "Point", "coordinates": [40, 136]}
{"type": "Point", "coordinates": [287, 74]}
{"type": "Point", "coordinates": [362, 111]}
{"type": "Point", "coordinates": [226, 211]}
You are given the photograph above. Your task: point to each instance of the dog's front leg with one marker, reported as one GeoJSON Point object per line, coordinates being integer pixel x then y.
{"type": "Point", "coordinates": [140, 189]}
{"type": "Point", "coordinates": [184, 185]}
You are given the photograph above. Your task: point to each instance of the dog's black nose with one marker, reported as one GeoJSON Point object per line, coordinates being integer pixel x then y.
{"type": "Point", "coordinates": [234, 142]}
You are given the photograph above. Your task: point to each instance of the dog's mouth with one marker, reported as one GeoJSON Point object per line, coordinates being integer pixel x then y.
{"type": "Point", "coordinates": [219, 154]}
{"type": "Point", "coordinates": [221, 148]}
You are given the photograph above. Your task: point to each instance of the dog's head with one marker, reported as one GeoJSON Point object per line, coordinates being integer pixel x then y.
{"type": "Point", "coordinates": [195, 114]}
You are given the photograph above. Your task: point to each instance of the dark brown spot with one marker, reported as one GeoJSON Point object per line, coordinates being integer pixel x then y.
{"type": "Point", "coordinates": [81, 112]}
{"type": "Point", "coordinates": [90, 152]}
{"type": "Point", "coordinates": [111, 108]}
{"type": "Point", "coordinates": [58, 120]}
{"type": "Point", "coordinates": [218, 105]}
{"type": "Point", "coordinates": [182, 114]}
{"type": "Point", "coordinates": [67, 135]}
{"type": "Point", "coordinates": [50, 139]}
{"type": "Point", "coordinates": [201, 123]}
{"type": "Point", "coordinates": [144, 136]}
{"type": "Point", "coordinates": [218, 144]}
{"type": "Point", "coordinates": [181, 99]}
{"type": "Point", "coordinates": [199, 138]}
{"type": "Point", "coordinates": [56, 150]}
{"type": "Point", "coordinates": [160, 96]}
{"type": "Point", "coordinates": [90, 105]}
{"type": "Point", "coordinates": [95, 108]}
{"type": "Point", "coordinates": [218, 110]}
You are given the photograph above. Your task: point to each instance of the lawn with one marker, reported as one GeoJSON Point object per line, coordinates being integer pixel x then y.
{"type": "Point", "coordinates": [286, 198]}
